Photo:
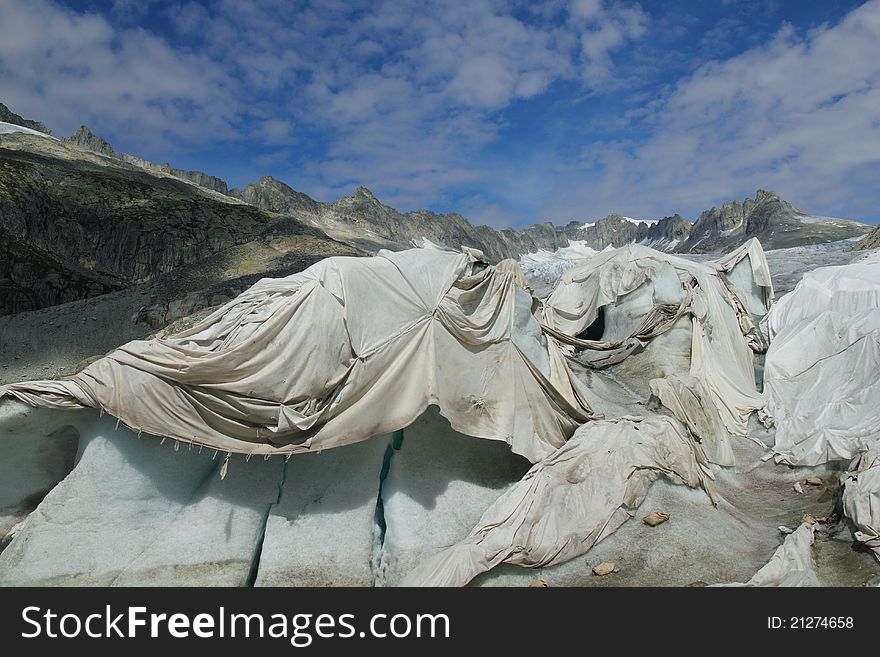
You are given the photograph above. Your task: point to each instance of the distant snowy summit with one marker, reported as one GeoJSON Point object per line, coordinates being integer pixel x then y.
{"type": "Point", "coordinates": [629, 219]}
{"type": "Point", "coordinates": [618, 230]}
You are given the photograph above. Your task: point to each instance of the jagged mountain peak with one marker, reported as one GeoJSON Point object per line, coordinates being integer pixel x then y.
{"type": "Point", "coordinates": [365, 193]}
{"type": "Point", "coordinates": [770, 218]}
{"type": "Point", "coordinates": [271, 181]}
{"type": "Point", "coordinates": [84, 137]}
{"type": "Point", "coordinates": [271, 194]}
{"type": "Point", "coordinates": [83, 131]}
{"type": "Point", "coordinates": [265, 183]}
{"type": "Point", "coordinates": [765, 194]}
{"type": "Point", "coordinates": [761, 196]}
{"type": "Point", "coordinates": [365, 199]}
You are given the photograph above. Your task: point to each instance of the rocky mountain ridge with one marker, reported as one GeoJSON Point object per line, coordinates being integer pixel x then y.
{"type": "Point", "coordinates": [363, 221]}
{"type": "Point", "coordinates": [770, 218]}
{"type": "Point", "coordinates": [80, 219]}
{"type": "Point", "coordinates": [74, 226]}
{"type": "Point", "coordinates": [85, 138]}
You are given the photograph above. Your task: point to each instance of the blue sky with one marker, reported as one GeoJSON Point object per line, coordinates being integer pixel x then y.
{"type": "Point", "coordinates": [507, 112]}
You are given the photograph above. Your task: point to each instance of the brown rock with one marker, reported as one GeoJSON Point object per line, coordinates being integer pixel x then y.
{"type": "Point", "coordinates": [655, 518]}
{"type": "Point", "coordinates": [604, 569]}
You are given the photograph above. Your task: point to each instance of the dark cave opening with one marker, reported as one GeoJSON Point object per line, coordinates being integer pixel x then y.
{"type": "Point", "coordinates": [595, 330]}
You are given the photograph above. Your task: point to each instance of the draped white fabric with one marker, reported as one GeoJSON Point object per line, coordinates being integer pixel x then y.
{"type": "Point", "coordinates": [573, 499]}
{"type": "Point", "coordinates": [820, 377]}
{"type": "Point", "coordinates": [861, 498]}
{"type": "Point", "coordinates": [345, 350]}
{"type": "Point", "coordinates": [724, 332]}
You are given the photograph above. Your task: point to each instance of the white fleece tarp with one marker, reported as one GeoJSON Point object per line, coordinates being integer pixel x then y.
{"type": "Point", "coordinates": [724, 333]}
{"type": "Point", "coordinates": [689, 401]}
{"type": "Point", "coordinates": [572, 499]}
{"type": "Point", "coordinates": [575, 302]}
{"type": "Point", "coordinates": [861, 498]}
{"type": "Point", "coordinates": [791, 564]}
{"type": "Point", "coordinates": [821, 373]}
{"type": "Point", "coordinates": [345, 350]}
{"type": "Point", "coordinates": [755, 275]}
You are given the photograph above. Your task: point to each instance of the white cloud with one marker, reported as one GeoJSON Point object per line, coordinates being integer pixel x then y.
{"type": "Point", "coordinates": [65, 68]}
{"type": "Point", "coordinates": [275, 130]}
{"type": "Point", "coordinates": [405, 97]}
{"type": "Point", "coordinates": [400, 96]}
{"type": "Point", "coordinates": [407, 93]}
{"type": "Point", "coordinates": [800, 115]}
{"type": "Point", "coordinates": [586, 8]}
{"type": "Point", "coordinates": [485, 80]}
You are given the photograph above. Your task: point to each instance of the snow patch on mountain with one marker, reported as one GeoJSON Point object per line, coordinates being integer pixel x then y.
{"type": "Point", "coordinates": [7, 128]}
{"type": "Point", "coordinates": [647, 222]}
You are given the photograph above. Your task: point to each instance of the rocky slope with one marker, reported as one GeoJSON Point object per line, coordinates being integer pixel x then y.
{"type": "Point", "coordinates": [774, 221]}
{"type": "Point", "coordinates": [8, 116]}
{"type": "Point", "coordinates": [85, 138]}
{"type": "Point", "coordinates": [59, 339]}
{"type": "Point", "coordinates": [273, 195]}
{"type": "Point", "coordinates": [75, 225]}
{"type": "Point", "coordinates": [32, 277]}
{"type": "Point", "coordinates": [869, 241]}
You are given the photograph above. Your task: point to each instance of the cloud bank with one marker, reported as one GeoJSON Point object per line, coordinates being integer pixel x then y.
{"type": "Point", "coordinates": [799, 115]}
{"type": "Point", "coordinates": [511, 112]}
